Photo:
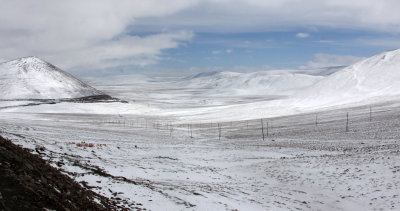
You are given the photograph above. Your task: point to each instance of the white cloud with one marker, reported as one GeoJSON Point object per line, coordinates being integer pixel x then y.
{"type": "Point", "coordinates": [302, 35]}
{"type": "Point", "coordinates": [107, 33]}
{"type": "Point", "coordinates": [92, 33]}
{"type": "Point", "coordinates": [127, 50]}
{"type": "Point", "coordinates": [329, 60]}
{"type": "Point", "coordinates": [216, 52]}
{"type": "Point", "coordinates": [324, 41]}
{"type": "Point", "coordinates": [240, 69]}
{"type": "Point", "coordinates": [260, 15]}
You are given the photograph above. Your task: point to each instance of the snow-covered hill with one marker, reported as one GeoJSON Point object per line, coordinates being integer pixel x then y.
{"type": "Point", "coordinates": [373, 79]}
{"type": "Point", "coordinates": [256, 83]}
{"type": "Point", "coordinates": [227, 96]}
{"type": "Point", "coordinates": [33, 78]}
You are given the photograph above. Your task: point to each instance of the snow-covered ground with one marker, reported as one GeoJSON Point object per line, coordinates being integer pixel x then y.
{"type": "Point", "coordinates": [300, 165]}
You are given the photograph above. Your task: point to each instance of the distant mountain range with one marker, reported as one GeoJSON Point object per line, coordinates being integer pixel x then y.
{"type": "Point", "coordinates": [374, 78]}
{"type": "Point", "coordinates": [279, 83]}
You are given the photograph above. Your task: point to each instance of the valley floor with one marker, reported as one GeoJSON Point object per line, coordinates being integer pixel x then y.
{"type": "Point", "coordinates": [305, 162]}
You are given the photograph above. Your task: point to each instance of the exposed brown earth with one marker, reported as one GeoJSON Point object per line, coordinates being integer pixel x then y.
{"type": "Point", "coordinates": [27, 182]}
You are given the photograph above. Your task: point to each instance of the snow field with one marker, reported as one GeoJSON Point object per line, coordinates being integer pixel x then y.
{"type": "Point", "coordinates": [297, 166]}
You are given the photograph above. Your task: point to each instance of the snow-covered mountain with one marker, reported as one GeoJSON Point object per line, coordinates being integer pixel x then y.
{"type": "Point", "coordinates": [376, 78]}
{"type": "Point", "coordinates": [33, 78]}
{"type": "Point", "coordinates": [373, 80]}
{"type": "Point", "coordinates": [227, 96]}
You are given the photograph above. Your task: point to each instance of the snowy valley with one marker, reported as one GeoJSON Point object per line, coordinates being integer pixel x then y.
{"type": "Point", "coordinates": [270, 140]}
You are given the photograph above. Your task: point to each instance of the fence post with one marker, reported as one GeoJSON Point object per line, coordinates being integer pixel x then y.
{"type": "Point", "coordinates": [370, 113]}
{"type": "Point", "coordinates": [191, 131]}
{"type": "Point", "coordinates": [262, 129]}
{"type": "Point", "coordinates": [347, 122]}
{"type": "Point", "coordinates": [219, 132]}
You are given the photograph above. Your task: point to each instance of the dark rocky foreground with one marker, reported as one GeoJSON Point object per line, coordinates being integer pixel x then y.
{"type": "Point", "coordinates": [27, 182]}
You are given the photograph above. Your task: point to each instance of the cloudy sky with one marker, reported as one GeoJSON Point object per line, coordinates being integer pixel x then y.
{"type": "Point", "coordinates": [96, 37]}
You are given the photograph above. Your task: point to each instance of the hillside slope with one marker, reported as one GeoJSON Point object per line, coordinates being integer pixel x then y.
{"type": "Point", "coordinates": [376, 78]}
{"type": "Point", "coordinates": [33, 78]}
{"type": "Point", "coordinates": [27, 182]}
{"type": "Point", "coordinates": [256, 83]}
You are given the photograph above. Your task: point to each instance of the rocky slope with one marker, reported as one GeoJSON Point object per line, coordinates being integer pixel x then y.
{"type": "Point", "coordinates": [27, 182]}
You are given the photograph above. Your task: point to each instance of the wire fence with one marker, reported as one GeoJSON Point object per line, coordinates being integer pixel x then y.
{"type": "Point", "coordinates": [362, 122]}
